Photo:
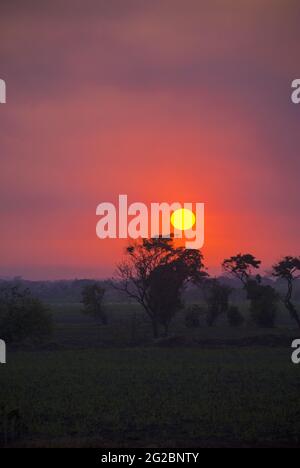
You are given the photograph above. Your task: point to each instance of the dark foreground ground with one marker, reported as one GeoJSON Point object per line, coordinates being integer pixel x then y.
{"type": "Point", "coordinates": [153, 397]}
{"type": "Point", "coordinates": [113, 387]}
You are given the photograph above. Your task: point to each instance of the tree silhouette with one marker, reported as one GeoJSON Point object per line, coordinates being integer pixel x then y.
{"type": "Point", "coordinates": [263, 302]}
{"type": "Point", "coordinates": [92, 299]}
{"type": "Point", "coordinates": [288, 269]}
{"type": "Point", "coordinates": [216, 295]}
{"type": "Point", "coordinates": [241, 266]}
{"type": "Point", "coordinates": [263, 298]}
{"type": "Point", "coordinates": [165, 286]}
{"type": "Point", "coordinates": [154, 273]}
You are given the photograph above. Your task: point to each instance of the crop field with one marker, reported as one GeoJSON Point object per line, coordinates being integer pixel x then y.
{"type": "Point", "coordinates": [113, 386]}
{"type": "Point", "coordinates": [154, 397]}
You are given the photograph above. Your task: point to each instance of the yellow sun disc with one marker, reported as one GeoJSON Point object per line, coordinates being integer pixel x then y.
{"type": "Point", "coordinates": [183, 219]}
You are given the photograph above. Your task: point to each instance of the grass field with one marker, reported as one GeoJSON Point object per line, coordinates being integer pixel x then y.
{"type": "Point", "coordinates": [155, 397]}
{"type": "Point", "coordinates": [112, 386]}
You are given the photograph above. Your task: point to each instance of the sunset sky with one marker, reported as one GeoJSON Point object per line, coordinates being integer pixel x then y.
{"type": "Point", "coordinates": [161, 100]}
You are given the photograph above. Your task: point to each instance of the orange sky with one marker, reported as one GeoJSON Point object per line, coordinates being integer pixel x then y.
{"type": "Point", "coordinates": [163, 101]}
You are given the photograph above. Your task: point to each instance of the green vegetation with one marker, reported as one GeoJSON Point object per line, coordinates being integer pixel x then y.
{"type": "Point", "coordinates": [166, 397]}
{"type": "Point", "coordinates": [23, 317]}
{"type": "Point", "coordinates": [112, 385]}
{"type": "Point", "coordinates": [220, 374]}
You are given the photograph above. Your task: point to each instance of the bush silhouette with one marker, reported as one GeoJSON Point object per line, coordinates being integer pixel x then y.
{"type": "Point", "coordinates": [216, 295]}
{"type": "Point", "coordinates": [92, 299]}
{"type": "Point", "coordinates": [192, 316]}
{"type": "Point", "coordinates": [23, 317]}
{"type": "Point", "coordinates": [234, 317]}
{"type": "Point", "coordinates": [263, 306]}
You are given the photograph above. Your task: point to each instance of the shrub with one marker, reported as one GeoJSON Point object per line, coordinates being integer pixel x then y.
{"type": "Point", "coordinates": [23, 317]}
{"type": "Point", "coordinates": [93, 301]}
{"type": "Point", "coordinates": [216, 295]}
{"type": "Point", "coordinates": [192, 316]}
{"type": "Point", "coordinates": [234, 316]}
{"type": "Point", "coordinates": [263, 313]}
{"type": "Point", "coordinates": [263, 307]}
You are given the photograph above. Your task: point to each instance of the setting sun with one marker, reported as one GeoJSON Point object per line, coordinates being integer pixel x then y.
{"type": "Point", "coordinates": [183, 219]}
